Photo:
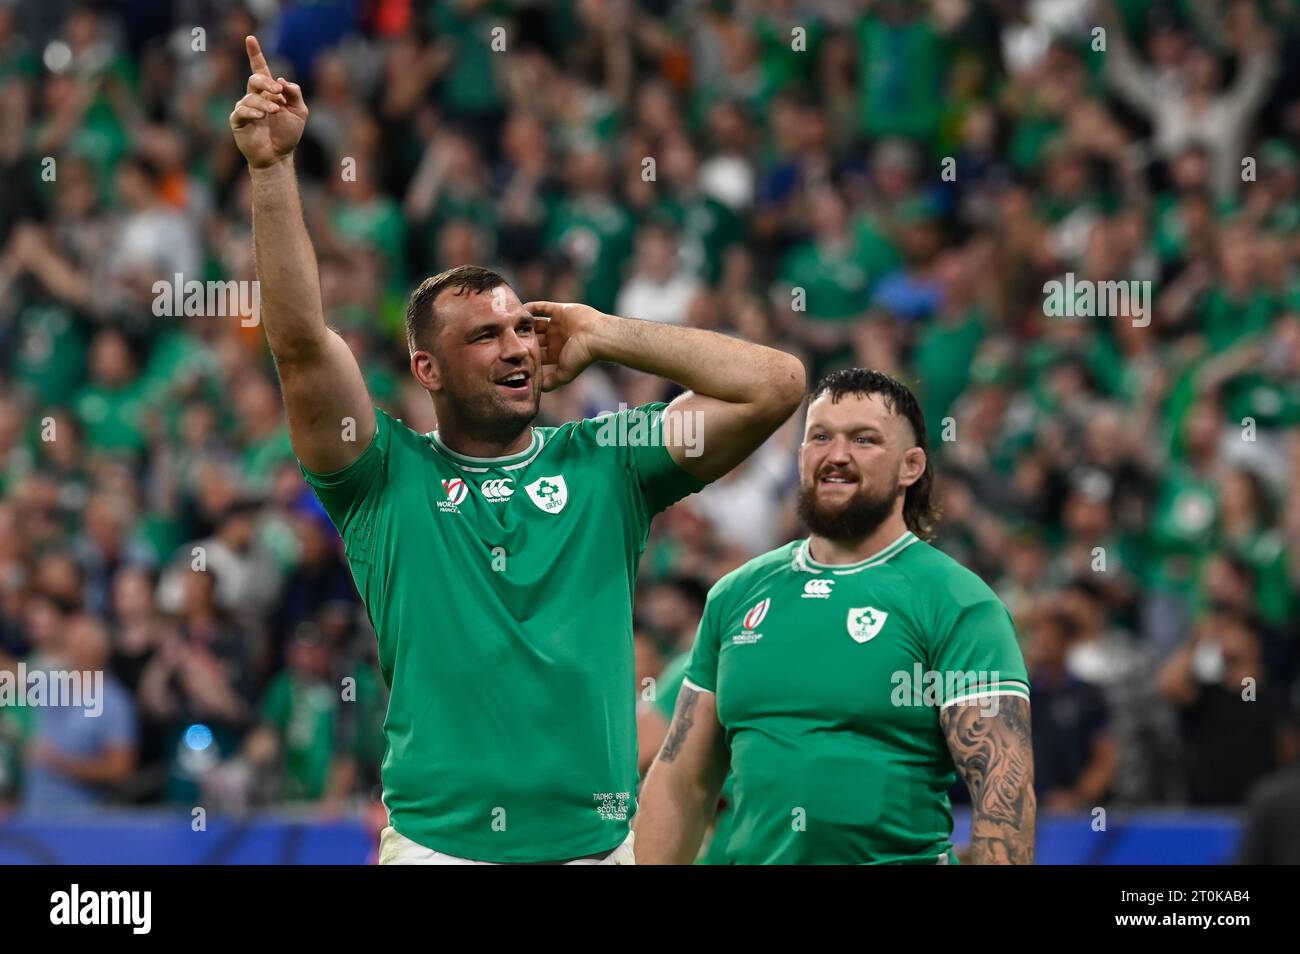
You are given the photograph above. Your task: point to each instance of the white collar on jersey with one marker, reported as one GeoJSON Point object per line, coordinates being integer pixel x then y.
{"type": "Point", "coordinates": [475, 464]}
{"type": "Point", "coordinates": [804, 563]}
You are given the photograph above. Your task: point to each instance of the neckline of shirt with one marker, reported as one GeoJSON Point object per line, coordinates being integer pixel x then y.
{"type": "Point", "coordinates": [803, 556]}
{"type": "Point", "coordinates": [507, 462]}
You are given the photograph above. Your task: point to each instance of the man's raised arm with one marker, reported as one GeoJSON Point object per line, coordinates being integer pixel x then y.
{"type": "Point", "coordinates": [741, 392]}
{"type": "Point", "coordinates": [319, 376]}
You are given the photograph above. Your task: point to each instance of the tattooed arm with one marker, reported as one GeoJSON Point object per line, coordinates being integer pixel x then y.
{"type": "Point", "coordinates": [681, 788]}
{"type": "Point", "coordinates": [995, 756]}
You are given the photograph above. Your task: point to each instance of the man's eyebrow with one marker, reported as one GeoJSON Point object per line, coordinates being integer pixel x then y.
{"type": "Point", "coordinates": [852, 428]}
{"type": "Point", "coordinates": [495, 322]}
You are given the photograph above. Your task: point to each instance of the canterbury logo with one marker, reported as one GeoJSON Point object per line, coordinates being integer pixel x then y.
{"type": "Point", "coordinates": [497, 490]}
{"type": "Point", "coordinates": [817, 589]}
{"type": "Point", "coordinates": [756, 615]}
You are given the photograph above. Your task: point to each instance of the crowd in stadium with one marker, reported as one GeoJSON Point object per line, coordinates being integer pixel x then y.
{"type": "Point", "coordinates": [887, 184]}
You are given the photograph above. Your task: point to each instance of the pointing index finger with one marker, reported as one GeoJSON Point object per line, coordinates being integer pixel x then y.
{"type": "Point", "coordinates": [544, 309]}
{"type": "Point", "coordinates": [256, 59]}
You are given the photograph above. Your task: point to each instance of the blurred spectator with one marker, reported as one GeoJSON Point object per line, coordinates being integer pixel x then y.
{"type": "Point", "coordinates": [1185, 99]}
{"type": "Point", "coordinates": [658, 289]}
{"type": "Point", "coordinates": [79, 753]}
{"type": "Point", "coordinates": [1108, 658]}
{"type": "Point", "coordinates": [1075, 758]}
{"type": "Point", "coordinates": [247, 578]}
{"type": "Point", "coordinates": [198, 683]}
{"type": "Point", "coordinates": [1236, 723]}
{"type": "Point", "coordinates": [301, 724]}
{"type": "Point", "coordinates": [320, 577]}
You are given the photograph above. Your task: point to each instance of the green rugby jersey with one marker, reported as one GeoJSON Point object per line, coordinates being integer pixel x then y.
{"type": "Point", "coordinates": [826, 693]}
{"type": "Point", "coordinates": [501, 593]}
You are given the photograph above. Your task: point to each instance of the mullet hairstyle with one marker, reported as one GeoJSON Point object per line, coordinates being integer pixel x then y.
{"type": "Point", "coordinates": [920, 512]}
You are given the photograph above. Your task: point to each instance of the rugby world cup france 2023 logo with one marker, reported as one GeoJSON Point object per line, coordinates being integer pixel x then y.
{"type": "Point", "coordinates": [757, 613]}
{"type": "Point", "coordinates": [456, 491]}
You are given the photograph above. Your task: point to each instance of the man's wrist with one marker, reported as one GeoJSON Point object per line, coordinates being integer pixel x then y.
{"type": "Point", "coordinates": [602, 335]}
{"type": "Point", "coordinates": [280, 167]}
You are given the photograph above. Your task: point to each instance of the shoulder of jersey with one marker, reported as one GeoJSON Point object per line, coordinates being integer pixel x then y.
{"type": "Point", "coordinates": [945, 579]}
{"type": "Point", "coordinates": [401, 432]}
{"type": "Point", "coordinates": [773, 560]}
{"type": "Point", "coordinates": [594, 430]}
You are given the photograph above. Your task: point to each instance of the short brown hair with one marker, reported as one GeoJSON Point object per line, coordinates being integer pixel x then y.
{"type": "Point", "coordinates": [421, 319]}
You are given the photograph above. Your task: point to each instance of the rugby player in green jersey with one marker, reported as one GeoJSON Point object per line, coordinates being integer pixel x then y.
{"type": "Point", "coordinates": [496, 559]}
{"type": "Point", "coordinates": [845, 679]}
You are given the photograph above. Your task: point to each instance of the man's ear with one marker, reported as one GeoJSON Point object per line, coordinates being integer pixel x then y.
{"type": "Point", "coordinates": [426, 370]}
{"type": "Point", "coordinates": [914, 461]}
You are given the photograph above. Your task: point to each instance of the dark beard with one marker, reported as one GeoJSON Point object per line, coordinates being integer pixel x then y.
{"type": "Point", "coordinates": [860, 517]}
{"type": "Point", "coordinates": [491, 418]}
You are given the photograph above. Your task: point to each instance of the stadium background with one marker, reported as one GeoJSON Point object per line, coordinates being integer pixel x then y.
{"type": "Point", "coordinates": [1097, 472]}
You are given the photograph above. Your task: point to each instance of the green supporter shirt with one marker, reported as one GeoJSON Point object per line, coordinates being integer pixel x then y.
{"type": "Point", "coordinates": [943, 359]}
{"type": "Point", "coordinates": [501, 592]}
{"type": "Point", "coordinates": [304, 714]}
{"type": "Point", "coordinates": [903, 81]}
{"type": "Point", "coordinates": [597, 237]}
{"type": "Point", "coordinates": [1181, 534]}
{"type": "Point", "coordinates": [834, 281]}
{"type": "Point", "coordinates": [1226, 320]}
{"type": "Point", "coordinates": [50, 357]}
{"type": "Point", "coordinates": [706, 228]}
{"type": "Point", "coordinates": [378, 223]}
{"type": "Point", "coordinates": [470, 84]}
{"type": "Point", "coordinates": [834, 759]}
{"type": "Point", "coordinates": [1272, 401]}
{"type": "Point", "coordinates": [261, 458]}
{"type": "Point", "coordinates": [111, 418]}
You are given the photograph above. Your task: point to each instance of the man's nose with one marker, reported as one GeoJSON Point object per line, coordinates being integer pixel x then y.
{"type": "Point", "coordinates": [838, 452]}
{"type": "Point", "coordinates": [513, 347]}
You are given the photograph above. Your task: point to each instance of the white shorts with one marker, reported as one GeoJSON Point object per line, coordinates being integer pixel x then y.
{"type": "Point", "coordinates": [397, 849]}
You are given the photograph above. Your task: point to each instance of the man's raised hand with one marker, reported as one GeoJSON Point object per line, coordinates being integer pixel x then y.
{"type": "Point", "coordinates": [269, 120]}
{"type": "Point", "coordinates": [566, 334]}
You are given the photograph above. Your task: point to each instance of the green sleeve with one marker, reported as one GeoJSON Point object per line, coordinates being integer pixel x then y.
{"type": "Point", "coordinates": [637, 436]}
{"type": "Point", "coordinates": [276, 705]}
{"type": "Point", "coordinates": [344, 493]}
{"type": "Point", "coordinates": [662, 481]}
{"type": "Point", "coordinates": [702, 671]}
{"type": "Point", "coordinates": [975, 648]}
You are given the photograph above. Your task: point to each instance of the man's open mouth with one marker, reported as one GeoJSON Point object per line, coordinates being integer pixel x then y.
{"type": "Point", "coordinates": [836, 480]}
{"type": "Point", "coordinates": [516, 381]}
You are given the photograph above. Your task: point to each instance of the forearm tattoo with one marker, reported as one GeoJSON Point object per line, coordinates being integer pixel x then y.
{"type": "Point", "coordinates": [994, 754]}
{"type": "Point", "coordinates": [683, 719]}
